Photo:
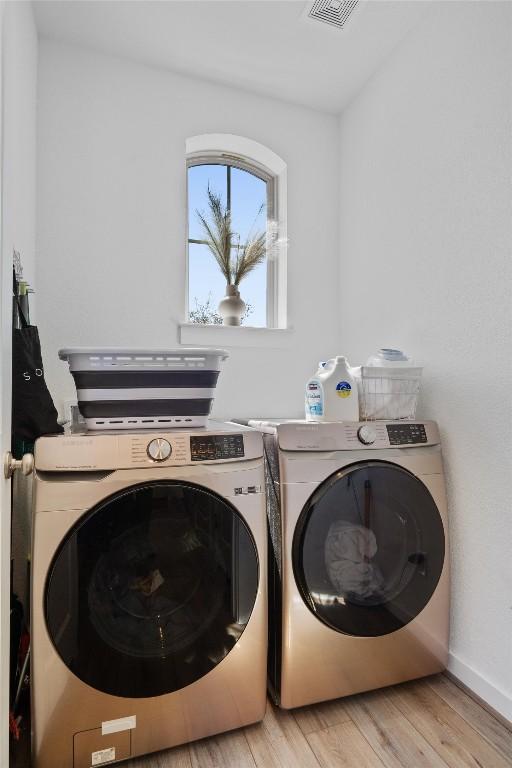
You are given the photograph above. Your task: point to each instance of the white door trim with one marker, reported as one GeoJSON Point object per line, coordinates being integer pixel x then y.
{"type": "Point", "coordinates": [5, 433]}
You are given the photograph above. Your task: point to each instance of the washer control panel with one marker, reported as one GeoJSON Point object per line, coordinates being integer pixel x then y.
{"type": "Point", "coordinates": [90, 452]}
{"type": "Point", "coordinates": [175, 449]}
{"type": "Point", "coordinates": [214, 447]}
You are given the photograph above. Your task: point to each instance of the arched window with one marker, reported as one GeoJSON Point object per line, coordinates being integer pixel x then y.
{"type": "Point", "coordinates": [246, 192]}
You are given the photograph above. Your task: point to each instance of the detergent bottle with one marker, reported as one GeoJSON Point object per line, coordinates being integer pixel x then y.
{"type": "Point", "coordinates": [314, 400]}
{"type": "Point", "coordinates": [332, 394]}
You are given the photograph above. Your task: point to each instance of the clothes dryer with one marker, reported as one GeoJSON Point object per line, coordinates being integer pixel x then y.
{"type": "Point", "coordinates": [149, 612]}
{"type": "Point", "coordinates": [359, 568]}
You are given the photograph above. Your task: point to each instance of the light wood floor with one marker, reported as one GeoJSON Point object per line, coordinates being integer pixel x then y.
{"type": "Point", "coordinates": [430, 722]}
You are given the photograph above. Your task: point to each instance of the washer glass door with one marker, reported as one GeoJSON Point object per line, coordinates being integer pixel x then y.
{"type": "Point", "coordinates": [151, 589]}
{"type": "Point", "coordinates": [368, 549]}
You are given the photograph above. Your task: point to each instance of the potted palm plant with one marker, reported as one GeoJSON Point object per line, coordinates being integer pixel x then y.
{"type": "Point", "coordinates": [236, 259]}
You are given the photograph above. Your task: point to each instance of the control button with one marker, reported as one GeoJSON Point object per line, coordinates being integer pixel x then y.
{"type": "Point", "coordinates": [366, 435]}
{"type": "Point", "coordinates": [159, 449]}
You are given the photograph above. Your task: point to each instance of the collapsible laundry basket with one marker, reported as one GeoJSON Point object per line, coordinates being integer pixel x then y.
{"type": "Point", "coordinates": [144, 389]}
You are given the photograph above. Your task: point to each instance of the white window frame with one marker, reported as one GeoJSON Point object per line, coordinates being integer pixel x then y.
{"type": "Point", "coordinates": [255, 158]}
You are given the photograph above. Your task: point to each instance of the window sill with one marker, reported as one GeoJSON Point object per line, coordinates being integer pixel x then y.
{"type": "Point", "coordinates": [234, 336]}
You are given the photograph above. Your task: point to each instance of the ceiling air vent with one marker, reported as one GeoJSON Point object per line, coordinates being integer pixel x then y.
{"type": "Point", "coordinates": [334, 12]}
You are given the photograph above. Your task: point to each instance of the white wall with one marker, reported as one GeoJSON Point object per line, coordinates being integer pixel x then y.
{"type": "Point", "coordinates": [112, 218]}
{"type": "Point", "coordinates": [20, 55]}
{"type": "Point", "coordinates": [425, 232]}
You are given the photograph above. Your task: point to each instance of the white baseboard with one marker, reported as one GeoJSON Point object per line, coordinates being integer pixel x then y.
{"type": "Point", "coordinates": [495, 697]}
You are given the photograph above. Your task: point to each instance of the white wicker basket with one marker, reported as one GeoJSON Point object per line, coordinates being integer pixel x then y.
{"type": "Point", "coordinates": [389, 393]}
{"type": "Point", "coordinates": [144, 389]}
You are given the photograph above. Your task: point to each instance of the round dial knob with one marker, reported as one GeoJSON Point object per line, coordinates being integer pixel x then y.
{"type": "Point", "coordinates": [159, 449]}
{"type": "Point", "coordinates": [366, 435]}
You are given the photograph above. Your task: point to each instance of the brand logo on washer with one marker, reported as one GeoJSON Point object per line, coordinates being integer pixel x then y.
{"type": "Point", "coordinates": [77, 441]}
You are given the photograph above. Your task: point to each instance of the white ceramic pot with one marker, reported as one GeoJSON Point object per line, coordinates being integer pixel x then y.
{"type": "Point", "coordinates": [231, 307]}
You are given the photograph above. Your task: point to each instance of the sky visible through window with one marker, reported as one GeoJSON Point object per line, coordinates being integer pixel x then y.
{"type": "Point", "coordinates": [248, 193]}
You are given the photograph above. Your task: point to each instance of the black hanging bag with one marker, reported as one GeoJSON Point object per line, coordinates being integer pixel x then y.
{"type": "Point", "coordinates": [33, 411]}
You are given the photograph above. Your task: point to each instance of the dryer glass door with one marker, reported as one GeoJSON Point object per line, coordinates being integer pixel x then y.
{"type": "Point", "coordinates": [368, 549]}
{"type": "Point", "coordinates": [152, 589]}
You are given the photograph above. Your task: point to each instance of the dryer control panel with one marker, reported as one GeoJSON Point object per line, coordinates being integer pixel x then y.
{"type": "Point", "coordinates": [346, 436]}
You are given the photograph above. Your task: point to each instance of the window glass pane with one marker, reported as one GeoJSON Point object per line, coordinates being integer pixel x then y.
{"type": "Point", "coordinates": [199, 177]}
{"type": "Point", "coordinates": [249, 217]}
{"type": "Point", "coordinates": [253, 290]}
{"type": "Point", "coordinates": [206, 285]}
{"type": "Point", "coordinates": [248, 195]}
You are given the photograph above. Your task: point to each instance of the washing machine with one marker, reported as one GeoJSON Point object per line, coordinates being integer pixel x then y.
{"type": "Point", "coordinates": [359, 570]}
{"type": "Point", "coordinates": [149, 610]}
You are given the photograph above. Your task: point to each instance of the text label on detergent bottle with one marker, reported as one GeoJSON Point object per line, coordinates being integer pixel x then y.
{"type": "Point", "coordinates": [314, 399]}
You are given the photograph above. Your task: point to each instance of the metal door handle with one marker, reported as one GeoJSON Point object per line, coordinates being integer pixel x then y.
{"type": "Point", "coordinates": [26, 464]}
